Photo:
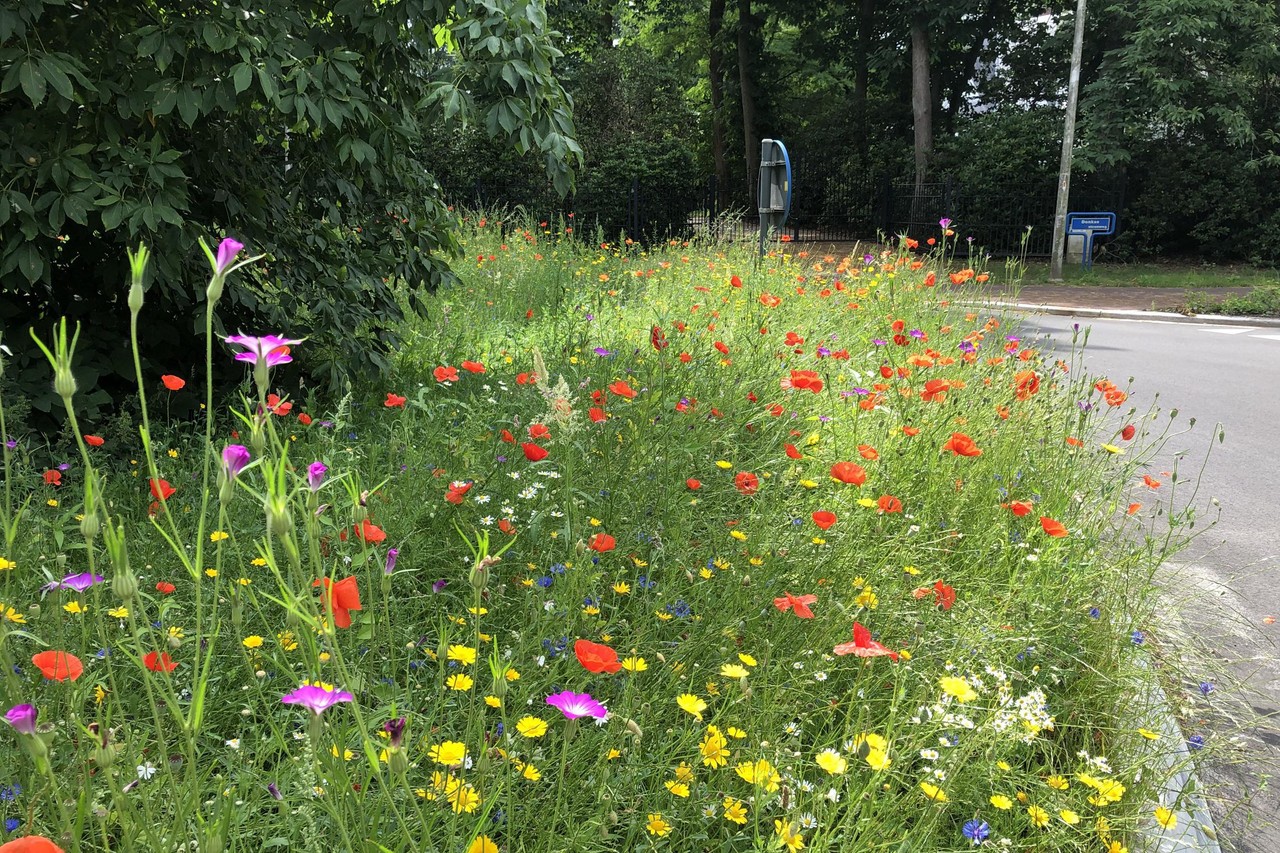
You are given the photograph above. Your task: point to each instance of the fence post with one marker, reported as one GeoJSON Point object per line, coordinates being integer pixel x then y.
{"type": "Point", "coordinates": [886, 205]}
{"type": "Point", "coordinates": [633, 210]}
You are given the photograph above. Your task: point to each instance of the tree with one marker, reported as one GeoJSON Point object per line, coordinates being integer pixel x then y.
{"type": "Point", "coordinates": [293, 125]}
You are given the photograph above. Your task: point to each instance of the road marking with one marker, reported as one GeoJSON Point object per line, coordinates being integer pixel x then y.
{"type": "Point", "coordinates": [1227, 331]}
{"type": "Point", "coordinates": [1267, 337]}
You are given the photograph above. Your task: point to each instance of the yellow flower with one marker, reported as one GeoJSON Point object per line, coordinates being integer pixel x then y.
{"type": "Point", "coordinates": [1111, 448]}
{"type": "Point", "coordinates": [1148, 734]}
{"type": "Point", "coordinates": [512, 675]}
{"type": "Point", "coordinates": [258, 561]}
{"type": "Point", "coordinates": [464, 655]}
{"type": "Point", "coordinates": [735, 811]}
{"type": "Point", "coordinates": [449, 753]}
{"type": "Point", "coordinates": [531, 727]}
{"type": "Point", "coordinates": [866, 502]}
{"type": "Point", "coordinates": [867, 598]}
{"type": "Point", "coordinates": [734, 670]}
{"type": "Point", "coordinates": [211, 573]}
{"type": "Point", "coordinates": [622, 588]}
{"type": "Point", "coordinates": [219, 535]}
{"type": "Point", "coordinates": [911, 570]}
{"type": "Point", "coordinates": [747, 659]}
{"type": "Point", "coordinates": [1166, 817]}
{"type": "Point", "coordinates": [287, 641]}
{"type": "Point", "coordinates": [1116, 847]}
{"type": "Point", "coordinates": [173, 454]}
{"type": "Point", "coordinates": [739, 535]}
{"type": "Point", "coordinates": [459, 681]}
{"type": "Point", "coordinates": [462, 797]}
{"type": "Point", "coordinates": [713, 688]}
{"type": "Point", "coordinates": [118, 612]}
{"type": "Point", "coordinates": [663, 615]}
{"type": "Point", "coordinates": [345, 754]}
{"type": "Point", "coordinates": [612, 754]}
{"type": "Point", "coordinates": [1069, 817]}
{"type": "Point", "coordinates": [723, 465]}
{"type": "Point", "coordinates": [759, 773]}
{"type": "Point", "coordinates": [679, 789]}
{"type": "Point", "coordinates": [74, 607]}
{"type": "Point", "coordinates": [6, 565]}
{"type": "Point", "coordinates": [809, 484]}
{"type": "Point", "coordinates": [714, 748]}
{"type": "Point", "coordinates": [493, 701]}
{"type": "Point", "coordinates": [657, 826]}
{"type": "Point", "coordinates": [482, 844]}
{"type": "Point", "coordinates": [933, 792]}
{"type": "Point", "coordinates": [252, 642]}
{"type": "Point", "coordinates": [957, 687]}
{"type": "Point", "coordinates": [791, 839]}
{"type": "Point", "coordinates": [177, 632]}
{"type": "Point", "coordinates": [1057, 783]}
{"type": "Point", "coordinates": [705, 573]}
{"type": "Point", "coordinates": [1004, 765]}
{"type": "Point", "coordinates": [99, 693]}
{"type": "Point", "coordinates": [832, 762]}
{"type": "Point", "coordinates": [692, 705]}
{"type": "Point", "coordinates": [243, 581]}
{"type": "Point", "coordinates": [531, 773]}
{"type": "Point", "coordinates": [632, 663]}
{"type": "Point", "coordinates": [1002, 802]}
{"type": "Point", "coordinates": [684, 772]}
{"type": "Point", "coordinates": [735, 733]}
{"type": "Point", "coordinates": [1039, 817]}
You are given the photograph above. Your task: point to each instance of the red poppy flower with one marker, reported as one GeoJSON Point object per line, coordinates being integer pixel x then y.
{"type": "Point", "coordinates": [445, 374]}
{"type": "Point", "coordinates": [456, 491]}
{"type": "Point", "coordinates": [1115, 397]}
{"type": "Point", "coordinates": [910, 430]}
{"type": "Point", "coordinates": [863, 646]}
{"type": "Point", "coordinates": [304, 419]}
{"type": "Point", "coordinates": [395, 401]}
{"type": "Point", "coordinates": [961, 445]}
{"type": "Point", "coordinates": [596, 658]}
{"type": "Point", "coordinates": [622, 389]}
{"type": "Point", "coordinates": [944, 595]}
{"type": "Point", "coordinates": [1019, 508]}
{"type": "Point", "coordinates": [164, 587]}
{"type": "Point", "coordinates": [94, 440]}
{"type": "Point", "coordinates": [596, 414]}
{"type": "Point", "coordinates": [1128, 432]}
{"type": "Point", "coordinates": [734, 281]}
{"type": "Point", "coordinates": [1072, 441]}
{"type": "Point", "coordinates": [173, 383]}
{"type": "Point", "coordinates": [803, 380]}
{"type": "Point", "coordinates": [798, 604]}
{"type": "Point", "coordinates": [1025, 384]}
{"type": "Point", "coordinates": [693, 484]}
{"type": "Point", "coordinates": [935, 391]}
{"type": "Point", "coordinates": [533, 452]}
{"type": "Point", "coordinates": [278, 406]}
{"type": "Point", "coordinates": [30, 844]}
{"type": "Point", "coordinates": [868, 452]}
{"type": "Point", "coordinates": [472, 367]}
{"type": "Point", "coordinates": [368, 532]}
{"type": "Point", "coordinates": [53, 478]}
{"type": "Point", "coordinates": [159, 662]}
{"type": "Point", "coordinates": [746, 482]}
{"type": "Point", "coordinates": [344, 596]}
{"type": "Point", "coordinates": [161, 490]}
{"type": "Point", "coordinates": [1151, 482]}
{"type": "Point", "coordinates": [537, 431]}
{"type": "Point", "coordinates": [824, 519]}
{"type": "Point", "coordinates": [58, 666]}
{"type": "Point", "coordinates": [888, 503]}
{"type": "Point", "coordinates": [793, 452]}
{"type": "Point", "coordinates": [793, 340]}
{"type": "Point", "coordinates": [1053, 528]}
{"type": "Point", "coordinates": [849, 472]}
{"type": "Point", "coordinates": [1133, 508]}
{"type": "Point", "coordinates": [507, 527]}
{"type": "Point", "coordinates": [525, 378]}
{"type": "Point", "coordinates": [657, 340]}
{"type": "Point", "coordinates": [768, 300]}
{"type": "Point", "coordinates": [602, 542]}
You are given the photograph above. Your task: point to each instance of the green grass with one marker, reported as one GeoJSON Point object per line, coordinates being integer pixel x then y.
{"type": "Point", "coordinates": [671, 516]}
{"type": "Point", "coordinates": [1199, 276]}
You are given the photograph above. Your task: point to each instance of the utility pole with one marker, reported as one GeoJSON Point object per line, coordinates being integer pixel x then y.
{"type": "Point", "coordinates": [1068, 141]}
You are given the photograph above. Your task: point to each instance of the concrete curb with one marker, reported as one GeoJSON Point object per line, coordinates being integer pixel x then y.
{"type": "Point", "coordinates": [1131, 314]}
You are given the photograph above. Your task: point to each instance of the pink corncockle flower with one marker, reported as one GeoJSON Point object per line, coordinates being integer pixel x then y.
{"type": "Point", "coordinates": [575, 705]}
{"type": "Point", "coordinates": [235, 457]}
{"type": "Point", "coordinates": [81, 582]}
{"type": "Point", "coordinates": [269, 350]}
{"type": "Point", "coordinates": [316, 698]}
{"type": "Point", "coordinates": [22, 718]}
{"type": "Point", "coordinates": [315, 475]}
{"type": "Point", "coordinates": [227, 251]}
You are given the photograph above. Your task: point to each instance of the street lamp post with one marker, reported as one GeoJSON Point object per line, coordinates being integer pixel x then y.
{"type": "Point", "coordinates": [1068, 141]}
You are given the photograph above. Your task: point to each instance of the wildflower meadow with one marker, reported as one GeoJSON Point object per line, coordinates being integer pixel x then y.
{"type": "Point", "coordinates": [637, 549]}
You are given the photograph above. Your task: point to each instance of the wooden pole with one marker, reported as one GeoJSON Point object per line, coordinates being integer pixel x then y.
{"type": "Point", "coordinates": [1068, 141]}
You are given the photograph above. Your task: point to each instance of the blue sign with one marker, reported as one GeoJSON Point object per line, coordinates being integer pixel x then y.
{"type": "Point", "coordinates": [1090, 225]}
{"type": "Point", "coordinates": [773, 199]}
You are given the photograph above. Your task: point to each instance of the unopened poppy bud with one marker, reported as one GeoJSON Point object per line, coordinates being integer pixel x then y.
{"type": "Point", "coordinates": [125, 585]}
{"type": "Point", "coordinates": [635, 730]}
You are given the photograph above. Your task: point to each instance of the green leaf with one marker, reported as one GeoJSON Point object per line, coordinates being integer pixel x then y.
{"type": "Point", "coordinates": [241, 77]}
{"type": "Point", "coordinates": [30, 262]}
{"type": "Point", "coordinates": [112, 216]}
{"type": "Point", "coordinates": [32, 81]}
{"type": "Point", "coordinates": [58, 79]}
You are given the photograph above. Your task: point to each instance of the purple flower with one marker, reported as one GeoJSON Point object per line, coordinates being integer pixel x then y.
{"type": "Point", "coordinates": [12, 444]}
{"type": "Point", "coordinates": [392, 555]}
{"type": "Point", "coordinates": [438, 586]}
{"type": "Point", "coordinates": [316, 698]}
{"type": "Point", "coordinates": [575, 705]}
{"type": "Point", "coordinates": [601, 351]}
{"type": "Point", "coordinates": [274, 790]}
{"type": "Point", "coordinates": [81, 582]}
{"type": "Point", "coordinates": [1206, 687]}
{"type": "Point", "coordinates": [270, 350]}
{"type": "Point", "coordinates": [944, 222]}
{"type": "Point", "coordinates": [22, 718]}
{"type": "Point", "coordinates": [395, 730]}
{"type": "Point", "coordinates": [227, 251]}
{"type": "Point", "coordinates": [315, 475]}
{"type": "Point", "coordinates": [1195, 742]}
{"type": "Point", "coordinates": [234, 459]}
{"type": "Point", "coordinates": [64, 466]}
{"type": "Point", "coordinates": [976, 830]}
{"type": "Point", "coordinates": [879, 342]}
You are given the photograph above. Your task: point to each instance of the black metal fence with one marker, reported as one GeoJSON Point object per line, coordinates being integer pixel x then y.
{"type": "Point", "coordinates": [826, 207]}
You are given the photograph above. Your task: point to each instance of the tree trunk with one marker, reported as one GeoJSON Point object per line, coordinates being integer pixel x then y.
{"type": "Point", "coordinates": [866, 17]}
{"type": "Point", "coordinates": [921, 98]}
{"type": "Point", "coordinates": [715, 63]}
{"type": "Point", "coordinates": [746, 31]}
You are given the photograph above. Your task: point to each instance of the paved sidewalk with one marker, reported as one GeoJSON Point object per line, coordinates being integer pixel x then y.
{"type": "Point", "coordinates": [1114, 298]}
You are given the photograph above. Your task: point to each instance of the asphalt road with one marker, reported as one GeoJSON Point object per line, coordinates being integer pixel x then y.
{"type": "Point", "coordinates": [1221, 590]}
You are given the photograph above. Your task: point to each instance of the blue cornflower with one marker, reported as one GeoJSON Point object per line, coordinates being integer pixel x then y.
{"type": "Point", "coordinates": [544, 581]}
{"type": "Point", "coordinates": [1138, 638]}
{"type": "Point", "coordinates": [679, 609]}
{"type": "Point", "coordinates": [1206, 687]}
{"type": "Point", "coordinates": [976, 831]}
{"type": "Point", "coordinates": [1094, 612]}
{"type": "Point", "coordinates": [9, 793]}
{"type": "Point", "coordinates": [557, 568]}
{"type": "Point", "coordinates": [11, 824]}
{"type": "Point", "coordinates": [1195, 742]}
{"type": "Point", "coordinates": [643, 582]}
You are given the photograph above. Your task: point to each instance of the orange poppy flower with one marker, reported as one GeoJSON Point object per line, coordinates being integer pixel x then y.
{"type": "Point", "coordinates": [537, 431]}
{"type": "Point", "coordinates": [1019, 508]}
{"type": "Point", "coordinates": [164, 587]}
{"type": "Point", "coordinates": [602, 542]}
{"type": "Point", "coordinates": [596, 658]}
{"type": "Point", "coordinates": [824, 519]}
{"type": "Point", "coordinates": [159, 662]}
{"type": "Point", "coordinates": [622, 389]}
{"type": "Point", "coordinates": [596, 414]}
{"type": "Point", "coordinates": [53, 478]}
{"type": "Point", "coordinates": [863, 646]}
{"type": "Point", "coordinates": [849, 472]}
{"type": "Point", "coordinates": [344, 596]}
{"type": "Point", "coordinates": [456, 492]}
{"type": "Point", "coordinates": [1115, 397]}
{"type": "Point", "coordinates": [803, 380]}
{"type": "Point", "coordinates": [367, 531]}
{"type": "Point", "coordinates": [768, 300]}
{"type": "Point", "coordinates": [173, 383]}
{"type": "Point", "coordinates": [693, 483]}
{"type": "Point", "coordinates": [161, 490]}
{"type": "Point", "coordinates": [94, 440]}
{"type": "Point", "coordinates": [507, 527]}
{"type": "Point", "coordinates": [473, 367]}
{"type": "Point", "coordinates": [798, 604]}
{"type": "Point", "coordinates": [910, 430]}
{"type": "Point", "coordinates": [792, 451]}
{"type": "Point", "coordinates": [734, 281]}
{"type": "Point", "coordinates": [746, 482]}
{"type": "Point", "coordinates": [446, 374]}
{"type": "Point", "coordinates": [961, 445]}
{"type": "Point", "coordinates": [888, 503]}
{"type": "Point", "coordinates": [1151, 482]}
{"type": "Point", "coordinates": [30, 844]}
{"type": "Point", "coordinates": [58, 666]}
{"type": "Point", "coordinates": [1053, 528]}
{"type": "Point", "coordinates": [935, 391]}
{"type": "Point", "coordinates": [868, 452]}
{"type": "Point", "coordinates": [395, 401]}
{"type": "Point", "coordinates": [1025, 384]}
{"type": "Point", "coordinates": [944, 595]}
